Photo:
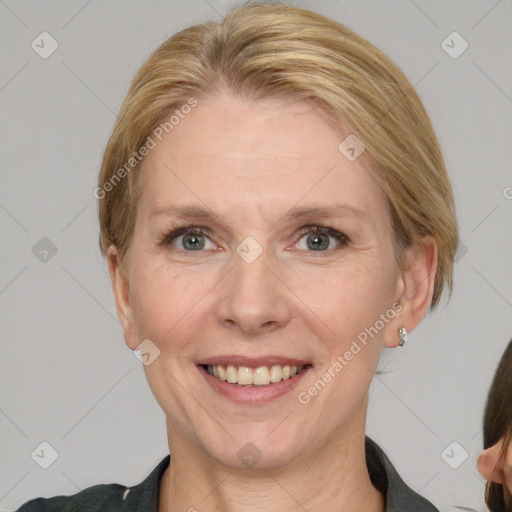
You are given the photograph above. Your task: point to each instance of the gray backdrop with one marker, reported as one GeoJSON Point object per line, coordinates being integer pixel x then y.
{"type": "Point", "coordinates": [66, 376]}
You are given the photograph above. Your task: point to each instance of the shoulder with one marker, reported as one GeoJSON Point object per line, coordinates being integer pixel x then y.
{"type": "Point", "coordinates": [106, 497]}
{"type": "Point", "coordinates": [94, 499]}
{"type": "Point", "coordinates": [399, 496]}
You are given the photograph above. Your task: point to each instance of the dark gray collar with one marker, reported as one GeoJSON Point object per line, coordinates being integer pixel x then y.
{"type": "Point", "coordinates": [399, 497]}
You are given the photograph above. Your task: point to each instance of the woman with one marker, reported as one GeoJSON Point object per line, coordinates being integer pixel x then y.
{"type": "Point", "coordinates": [495, 461]}
{"type": "Point", "coordinates": [275, 210]}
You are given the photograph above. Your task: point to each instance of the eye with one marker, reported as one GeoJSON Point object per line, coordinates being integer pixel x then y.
{"type": "Point", "coordinates": [319, 238]}
{"type": "Point", "coordinates": [311, 238]}
{"type": "Point", "coordinates": [188, 239]}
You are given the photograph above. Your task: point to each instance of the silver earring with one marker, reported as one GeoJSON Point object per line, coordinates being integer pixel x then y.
{"type": "Point", "coordinates": [403, 336]}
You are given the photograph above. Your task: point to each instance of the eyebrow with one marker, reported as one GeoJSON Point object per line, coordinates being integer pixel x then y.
{"type": "Point", "coordinates": [295, 214]}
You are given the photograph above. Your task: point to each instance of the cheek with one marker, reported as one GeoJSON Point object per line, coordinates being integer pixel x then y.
{"type": "Point", "coordinates": [162, 298]}
{"type": "Point", "coordinates": [349, 298]}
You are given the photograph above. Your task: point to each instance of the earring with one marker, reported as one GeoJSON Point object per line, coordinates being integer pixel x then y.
{"type": "Point", "coordinates": [403, 336]}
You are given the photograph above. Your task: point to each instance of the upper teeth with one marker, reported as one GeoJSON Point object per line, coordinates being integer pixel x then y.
{"type": "Point", "coordinates": [246, 376]}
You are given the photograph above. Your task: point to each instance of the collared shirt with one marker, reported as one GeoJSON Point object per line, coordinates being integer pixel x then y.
{"type": "Point", "coordinates": [144, 496]}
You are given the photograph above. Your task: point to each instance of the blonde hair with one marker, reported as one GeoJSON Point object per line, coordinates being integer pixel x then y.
{"type": "Point", "coordinates": [265, 50]}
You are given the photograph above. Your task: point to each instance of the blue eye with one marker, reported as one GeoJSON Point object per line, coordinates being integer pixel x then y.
{"type": "Point", "coordinates": [318, 238]}
{"type": "Point", "coordinates": [192, 239]}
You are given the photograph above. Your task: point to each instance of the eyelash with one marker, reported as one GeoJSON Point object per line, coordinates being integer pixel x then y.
{"type": "Point", "coordinates": [342, 239]}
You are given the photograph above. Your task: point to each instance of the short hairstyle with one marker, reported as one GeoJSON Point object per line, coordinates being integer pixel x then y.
{"type": "Point", "coordinates": [266, 50]}
{"type": "Point", "coordinates": [497, 423]}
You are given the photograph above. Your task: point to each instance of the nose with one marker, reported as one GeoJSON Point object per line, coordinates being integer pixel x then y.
{"type": "Point", "coordinates": [253, 298]}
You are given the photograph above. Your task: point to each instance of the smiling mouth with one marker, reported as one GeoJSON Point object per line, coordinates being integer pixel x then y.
{"type": "Point", "coordinates": [252, 377]}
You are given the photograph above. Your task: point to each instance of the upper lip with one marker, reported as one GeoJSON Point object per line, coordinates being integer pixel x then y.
{"type": "Point", "coordinates": [251, 362]}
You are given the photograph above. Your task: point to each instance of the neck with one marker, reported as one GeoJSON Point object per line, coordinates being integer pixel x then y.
{"type": "Point", "coordinates": [333, 479]}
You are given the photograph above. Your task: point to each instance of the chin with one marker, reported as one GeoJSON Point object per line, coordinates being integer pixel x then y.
{"type": "Point", "coordinates": [258, 447]}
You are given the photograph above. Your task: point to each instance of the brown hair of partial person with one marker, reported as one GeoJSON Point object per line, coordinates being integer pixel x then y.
{"type": "Point", "coordinates": [266, 50]}
{"type": "Point", "coordinates": [497, 424]}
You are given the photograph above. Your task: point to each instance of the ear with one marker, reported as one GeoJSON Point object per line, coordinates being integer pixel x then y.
{"type": "Point", "coordinates": [121, 288]}
{"type": "Point", "coordinates": [490, 464]}
{"type": "Point", "coordinates": [414, 290]}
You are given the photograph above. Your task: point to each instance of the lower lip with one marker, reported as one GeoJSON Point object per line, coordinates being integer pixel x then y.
{"type": "Point", "coordinates": [255, 394]}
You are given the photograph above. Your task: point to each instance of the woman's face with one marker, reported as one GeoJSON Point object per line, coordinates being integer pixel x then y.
{"type": "Point", "coordinates": [259, 287]}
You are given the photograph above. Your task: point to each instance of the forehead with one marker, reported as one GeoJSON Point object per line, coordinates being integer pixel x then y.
{"type": "Point", "coordinates": [262, 156]}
